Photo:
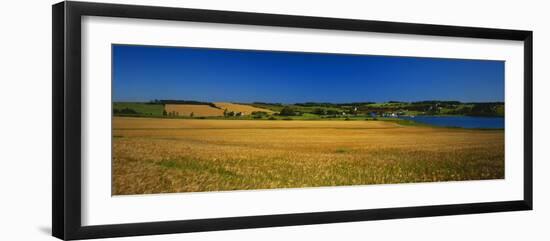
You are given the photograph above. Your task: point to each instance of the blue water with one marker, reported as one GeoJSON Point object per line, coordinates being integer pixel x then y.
{"type": "Point", "coordinates": [460, 121]}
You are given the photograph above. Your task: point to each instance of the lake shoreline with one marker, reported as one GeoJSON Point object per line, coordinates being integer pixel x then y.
{"type": "Point", "coordinates": [463, 122]}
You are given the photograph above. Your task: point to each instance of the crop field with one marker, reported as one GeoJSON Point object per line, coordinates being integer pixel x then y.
{"type": "Point", "coordinates": [245, 109]}
{"type": "Point", "coordinates": [152, 155]}
{"type": "Point", "coordinates": [197, 110]}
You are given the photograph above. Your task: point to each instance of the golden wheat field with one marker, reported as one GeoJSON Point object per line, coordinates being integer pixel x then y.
{"type": "Point", "coordinates": [197, 110]}
{"type": "Point", "coordinates": [245, 109]}
{"type": "Point", "coordinates": [177, 155]}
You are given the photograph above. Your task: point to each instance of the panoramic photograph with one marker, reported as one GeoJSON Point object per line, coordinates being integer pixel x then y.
{"type": "Point", "coordinates": [187, 119]}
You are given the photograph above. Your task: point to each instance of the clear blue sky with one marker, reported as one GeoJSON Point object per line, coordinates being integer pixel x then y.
{"type": "Point", "coordinates": [143, 73]}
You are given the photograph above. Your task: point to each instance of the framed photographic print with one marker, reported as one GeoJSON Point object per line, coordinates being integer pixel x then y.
{"type": "Point", "coordinates": [169, 120]}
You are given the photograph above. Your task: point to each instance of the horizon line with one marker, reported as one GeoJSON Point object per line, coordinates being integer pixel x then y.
{"type": "Point", "coordinates": [305, 102]}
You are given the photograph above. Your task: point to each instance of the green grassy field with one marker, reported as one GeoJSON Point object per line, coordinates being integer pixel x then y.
{"type": "Point", "coordinates": [141, 108]}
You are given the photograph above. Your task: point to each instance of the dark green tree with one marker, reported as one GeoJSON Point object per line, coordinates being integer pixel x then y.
{"type": "Point", "coordinates": [319, 111]}
{"type": "Point", "coordinates": [288, 111]}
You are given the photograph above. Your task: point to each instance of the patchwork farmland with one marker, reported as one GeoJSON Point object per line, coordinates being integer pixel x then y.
{"type": "Point", "coordinates": [241, 108]}
{"type": "Point", "coordinates": [199, 109]}
{"type": "Point", "coordinates": [193, 110]}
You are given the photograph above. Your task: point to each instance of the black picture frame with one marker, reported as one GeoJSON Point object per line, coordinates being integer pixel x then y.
{"type": "Point", "coordinates": [66, 168]}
